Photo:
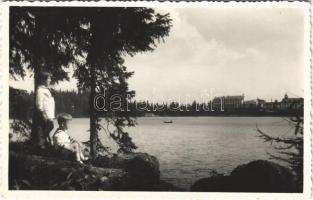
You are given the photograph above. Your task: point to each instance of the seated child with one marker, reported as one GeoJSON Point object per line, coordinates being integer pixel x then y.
{"type": "Point", "coordinates": [62, 141]}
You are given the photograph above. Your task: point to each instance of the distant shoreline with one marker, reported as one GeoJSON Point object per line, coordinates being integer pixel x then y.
{"type": "Point", "coordinates": [216, 115]}
{"type": "Point", "coordinates": [205, 116]}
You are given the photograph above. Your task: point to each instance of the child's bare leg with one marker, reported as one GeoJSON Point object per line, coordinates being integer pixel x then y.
{"type": "Point", "coordinates": [81, 152]}
{"type": "Point", "coordinates": [77, 152]}
{"type": "Point", "coordinates": [82, 155]}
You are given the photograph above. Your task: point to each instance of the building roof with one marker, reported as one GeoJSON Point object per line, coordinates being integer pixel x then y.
{"type": "Point", "coordinates": [261, 100]}
{"type": "Point", "coordinates": [237, 97]}
{"type": "Point", "coordinates": [250, 101]}
{"type": "Point", "coordinates": [292, 100]}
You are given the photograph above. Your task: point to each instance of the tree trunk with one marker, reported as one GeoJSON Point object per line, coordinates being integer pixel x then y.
{"type": "Point", "coordinates": [92, 61]}
{"type": "Point", "coordinates": [93, 117]}
{"type": "Point", "coordinates": [34, 131]}
{"type": "Point", "coordinates": [36, 62]}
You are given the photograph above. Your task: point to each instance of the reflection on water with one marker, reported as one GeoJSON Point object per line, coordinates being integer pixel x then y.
{"type": "Point", "coordinates": [191, 147]}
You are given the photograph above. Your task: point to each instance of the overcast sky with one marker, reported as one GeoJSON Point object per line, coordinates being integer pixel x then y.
{"type": "Point", "coordinates": [255, 52]}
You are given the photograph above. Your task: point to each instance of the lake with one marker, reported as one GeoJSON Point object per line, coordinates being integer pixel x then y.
{"type": "Point", "coordinates": [191, 148]}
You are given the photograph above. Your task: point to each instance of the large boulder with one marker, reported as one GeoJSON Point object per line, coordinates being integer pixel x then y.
{"type": "Point", "coordinates": [141, 168]}
{"type": "Point", "coordinates": [263, 176]}
{"type": "Point", "coordinates": [256, 176]}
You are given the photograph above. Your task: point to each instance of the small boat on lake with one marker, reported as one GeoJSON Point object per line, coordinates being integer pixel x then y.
{"type": "Point", "coordinates": [168, 122]}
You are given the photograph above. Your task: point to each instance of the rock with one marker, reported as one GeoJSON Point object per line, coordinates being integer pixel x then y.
{"type": "Point", "coordinates": [256, 176]}
{"type": "Point", "coordinates": [263, 176]}
{"type": "Point", "coordinates": [42, 173]}
{"type": "Point", "coordinates": [141, 168]}
{"type": "Point", "coordinates": [217, 183]}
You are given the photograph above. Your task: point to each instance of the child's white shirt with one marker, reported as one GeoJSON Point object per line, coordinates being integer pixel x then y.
{"type": "Point", "coordinates": [45, 102]}
{"type": "Point", "coordinates": [62, 139]}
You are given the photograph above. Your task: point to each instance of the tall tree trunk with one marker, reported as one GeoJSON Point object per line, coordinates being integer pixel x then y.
{"type": "Point", "coordinates": [37, 68]}
{"type": "Point", "coordinates": [92, 61]}
{"type": "Point", "coordinates": [34, 131]}
{"type": "Point", "coordinates": [93, 116]}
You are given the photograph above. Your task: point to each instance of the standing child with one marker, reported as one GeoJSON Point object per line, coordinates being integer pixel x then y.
{"type": "Point", "coordinates": [44, 110]}
{"type": "Point", "coordinates": [62, 141]}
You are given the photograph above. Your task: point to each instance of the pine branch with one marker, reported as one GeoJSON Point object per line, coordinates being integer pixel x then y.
{"type": "Point", "coordinates": [271, 139]}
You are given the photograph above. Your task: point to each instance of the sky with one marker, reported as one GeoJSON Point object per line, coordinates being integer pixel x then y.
{"type": "Point", "coordinates": [258, 52]}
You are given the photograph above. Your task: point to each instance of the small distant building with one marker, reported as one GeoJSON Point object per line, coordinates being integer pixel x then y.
{"type": "Point", "coordinates": [291, 104]}
{"type": "Point", "coordinates": [254, 105]}
{"type": "Point", "coordinates": [271, 106]}
{"type": "Point", "coordinates": [228, 103]}
{"type": "Point", "coordinates": [250, 104]}
{"type": "Point", "coordinates": [260, 104]}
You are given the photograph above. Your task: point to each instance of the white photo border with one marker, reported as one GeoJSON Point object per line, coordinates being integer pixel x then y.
{"type": "Point", "coordinates": [4, 106]}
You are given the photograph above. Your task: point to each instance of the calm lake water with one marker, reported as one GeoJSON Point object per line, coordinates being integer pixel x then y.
{"type": "Point", "coordinates": [191, 147]}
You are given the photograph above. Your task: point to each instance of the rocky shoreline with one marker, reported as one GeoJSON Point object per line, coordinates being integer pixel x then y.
{"type": "Point", "coordinates": [135, 172]}
{"type": "Point", "coordinates": [124, 172]}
